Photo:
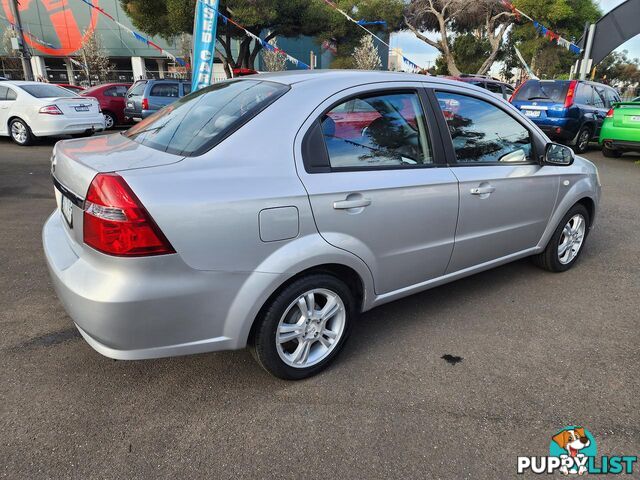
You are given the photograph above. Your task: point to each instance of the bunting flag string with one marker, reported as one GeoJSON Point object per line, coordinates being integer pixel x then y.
{"type": "Point", "coordinates": [542, 30]}
{"type": "Point", "coordinates": [266, 45]}
{"type": "Point", "coordinates": [361, 24]}
{"type": "Point", "coordinates": [136, 35]}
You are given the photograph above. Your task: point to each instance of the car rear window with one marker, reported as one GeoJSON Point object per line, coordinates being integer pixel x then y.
{"type": "Point", "coordinates": [541, 91]}
{"type": "Point", "coordinates": [197, 122]}
{"type": "Point", "coordinates": [137, 89]}
{"type": "Point", "coordinates": [47, 91]}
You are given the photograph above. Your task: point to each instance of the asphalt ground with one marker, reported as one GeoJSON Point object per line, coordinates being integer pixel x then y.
{"type": "Point", "coordinates": [539, 351]}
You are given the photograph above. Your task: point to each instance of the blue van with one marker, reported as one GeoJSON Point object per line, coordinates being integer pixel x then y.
{"type": "Point", "coordinates": [568, 111]}
{"type": "Point", "coordinates": [148, 96]}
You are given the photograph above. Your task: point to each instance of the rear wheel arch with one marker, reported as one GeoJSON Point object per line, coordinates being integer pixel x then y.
{"type": "Point", "coordinates": [15, 117]}
{"type": "Point", "coordinates": [342, 272]}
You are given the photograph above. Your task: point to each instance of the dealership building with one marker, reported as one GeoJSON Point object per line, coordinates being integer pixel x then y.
{"type": "Point", "coordinates": [56, 29]}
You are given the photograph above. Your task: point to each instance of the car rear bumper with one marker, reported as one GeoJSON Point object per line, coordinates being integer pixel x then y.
{"type": "Point", "coordinates": [558, 132]}
{"type": "Point", "coordinates": [68, 126]}
{"type": "Point", "coordinates": [137, 308]}
{"type": "Point", "coordinates": [622, 145]}
{"type": "Point", "coordinates": [137, 116]}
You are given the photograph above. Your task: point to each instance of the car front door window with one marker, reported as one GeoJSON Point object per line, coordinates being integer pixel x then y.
{"type": "Point", "coordinates": [483, 133]}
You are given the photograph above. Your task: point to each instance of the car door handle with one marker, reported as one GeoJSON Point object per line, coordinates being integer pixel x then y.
{"type": "Point", "coordinates": [482, 190]}
{"type": "Point", "coordinates": [347, 204]}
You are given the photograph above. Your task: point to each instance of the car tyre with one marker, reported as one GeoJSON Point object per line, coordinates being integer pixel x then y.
{"type": "Point", "coordinates": [611, 153]}
{"type": "Point", "coordinates": [20, 132]}
{"type": "Point", "coordinates": [583, 139]}
{"type": "Point", "coordinates": [293, 345]}
{"type": "Point", "coordinates": [567, 242]}
{"type": "Point", "coordinates": [110, 120]}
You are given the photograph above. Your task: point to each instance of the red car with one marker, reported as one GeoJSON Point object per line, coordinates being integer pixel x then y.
{"type": "Point", "coordinates": [73, 88]}
{"type": "Point", "coordinates": [112, 101]}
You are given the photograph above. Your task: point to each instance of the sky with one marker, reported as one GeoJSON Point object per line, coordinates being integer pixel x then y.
{"type": "Point", "coordinates": [425, 55]}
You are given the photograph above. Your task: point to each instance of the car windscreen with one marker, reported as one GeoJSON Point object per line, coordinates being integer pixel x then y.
{"type": "Point", "coordinates": [199, 121]}
{"type": "Point", "coordinates": [542, 91]}
{"type": "Point", "coordinates": [47, 91]}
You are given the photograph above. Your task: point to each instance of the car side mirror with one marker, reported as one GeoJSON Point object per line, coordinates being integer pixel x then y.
{"type": "Point", "coordinates": [559, 155]}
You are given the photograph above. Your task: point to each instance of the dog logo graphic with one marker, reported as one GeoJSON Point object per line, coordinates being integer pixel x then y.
{"type": "Point", "coordinates": [574, 442]}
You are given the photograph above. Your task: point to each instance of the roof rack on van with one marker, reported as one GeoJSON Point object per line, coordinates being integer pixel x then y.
{"type": "Point", "coordinates": [466, 75]}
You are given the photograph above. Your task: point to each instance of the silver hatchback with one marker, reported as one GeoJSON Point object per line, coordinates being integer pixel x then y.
{"type": "Point", "coordinates": [271, 210]}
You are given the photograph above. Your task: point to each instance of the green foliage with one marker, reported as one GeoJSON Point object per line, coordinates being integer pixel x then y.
{"type": "Point", "coordinates": [618, 68]}
{"type": "Point", "coordinates": [289, 18]}
{"type": "Point", "coordinates": [564, 17]}
{"type": "Point", "coordinates": [347, 35]}
{"type": "Point", "coordinates": [469, 52]}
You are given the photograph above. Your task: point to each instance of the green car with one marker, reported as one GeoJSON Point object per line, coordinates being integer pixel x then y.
{"type": "Point", "coordinates": [621, 129]}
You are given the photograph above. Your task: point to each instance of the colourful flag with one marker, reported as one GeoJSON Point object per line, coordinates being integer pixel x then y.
{"type": "Point", "coordinates": [204, 43]}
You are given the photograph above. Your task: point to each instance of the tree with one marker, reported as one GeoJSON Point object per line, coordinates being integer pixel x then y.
{"type": "Point", "coordinates": [365, 56]}
{"type": "Point", "coordinates": [95, 60]}
{"type": "Point", "coordinates": [286, 18]}
{"type": "Point", "coordinates": [618, 69]}
{"type": "Point", "coordinates": [346, 36]}
{"type": "Point", "coordinates": [273, 61]}
{"type": "Point", "coordinates": [11, 61]}
{"type": "Point", "coordinates": [546, 58]}
{"type": "Point", "coordinates": [485, 20]}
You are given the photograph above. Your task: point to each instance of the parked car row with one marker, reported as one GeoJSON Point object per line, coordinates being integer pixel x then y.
{"type": "Point", "coordinates": [35, 109]}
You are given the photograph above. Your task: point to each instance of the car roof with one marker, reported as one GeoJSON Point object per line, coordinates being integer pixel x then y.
{"type": "Point", "coordinates": [291, 77]}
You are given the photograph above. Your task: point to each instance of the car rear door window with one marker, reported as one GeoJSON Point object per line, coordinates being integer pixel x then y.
{"type": "Point", "coordinates": [483, 133]}
{"type": "Point", "coordinates": [3, 93]}
{"type": "Point", "coordinates": [110, 92]}
{"type": "Point", "coordinates": [378, 130]}
{"type": "Point", "coordinates": [599, 98]}
{"type": "Point", "coordinates": [121, 90]}
{"type": "Point", "coordinates": [165, 90]}
{"type": "Point", "coordinates": [584, 94]}
{"type": "Point", "coordinates": [196, 123]}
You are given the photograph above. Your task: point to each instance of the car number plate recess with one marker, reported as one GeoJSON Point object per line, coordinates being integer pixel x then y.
{"type": "Point", "coordinates": [66, 208]}
{"type": "Point", "coordinates": [532, 113]}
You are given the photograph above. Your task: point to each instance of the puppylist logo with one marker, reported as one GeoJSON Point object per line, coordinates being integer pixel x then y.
{"type": "Point", "coordinates": [573, 450]}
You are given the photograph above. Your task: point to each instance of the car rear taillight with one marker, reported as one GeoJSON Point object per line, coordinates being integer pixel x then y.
{"type": "Point", "coordinates": [50, 110]}
{"type": "Point", "coordinates": [610, 113]}
{"type": "Point", "coordinates": [571, 92]}
{"type": "Point", "coordinates": [116, 222]}
{"type": "Point", "coordinates": [145, 104]}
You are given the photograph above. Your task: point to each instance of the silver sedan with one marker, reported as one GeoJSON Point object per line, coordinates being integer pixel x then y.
{"type": "Point", "coordinates": [271, 210]}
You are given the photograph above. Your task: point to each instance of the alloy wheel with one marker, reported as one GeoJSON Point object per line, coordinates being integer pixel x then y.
{"type": "Point", "coordinates": [109, 122]}
{"type": "Point", "coordinates": [571, 239]}
{"type": "Point", "coordinates": [583, 141]}
{"type": "Point", "coordinates": [310, 328]}
{"type": "Point", "coordinates": [19, 132]}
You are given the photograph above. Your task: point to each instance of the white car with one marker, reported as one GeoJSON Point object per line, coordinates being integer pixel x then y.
{"type": "Point", "coordinates": [34, 109]}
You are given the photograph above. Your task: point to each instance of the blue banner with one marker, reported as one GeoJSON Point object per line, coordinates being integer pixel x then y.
{"type": "Point", "coordinates": [204, 43]}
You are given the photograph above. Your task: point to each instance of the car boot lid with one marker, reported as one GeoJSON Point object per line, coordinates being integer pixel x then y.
{"type": "Point", "coordinates": [75, 163]}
